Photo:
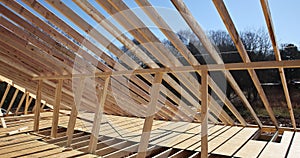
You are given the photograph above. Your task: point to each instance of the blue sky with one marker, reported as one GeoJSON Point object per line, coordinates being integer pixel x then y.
{"type": "Point", "coordinates": [246, 14]}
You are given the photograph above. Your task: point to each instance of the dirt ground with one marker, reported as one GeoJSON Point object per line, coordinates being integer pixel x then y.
{"type": "Point", "coordinates": [278, 103]}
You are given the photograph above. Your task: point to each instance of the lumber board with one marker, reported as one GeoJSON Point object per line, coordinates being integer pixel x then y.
{"type": "Point", "coordinates": [151, 110]}
{"type": "Point", "coordinates": [123, 152]}
{"type": "Point", "coordinates": [234, 143]}
{"type": "Point", "coordinates": [214, 132]}
{"type": "Point", "coordinates": [37, 106]}
{"type": "Point", "coordinates": [19, 140]}
{"type": "Point", "coordinates": [218, 140]}
{"type": "Point", "coordinates": [196, 28]}
{"type": "Point", "coordinates": [157, 50]}
{"type": "Point", "coordinates": [17, 147]}
{"type": "Point", "coordinates": [87, 156]}
{"type": "Point", "coordinates": [37, 148]}
{"type": "Point", "coordinates": [204, 114]}
{"type": "Point", "coordinates": [85, 26]}
{"type": "Point", "coordinates": [251, 149]}
{"type": "Point", "coordinates": [269, 22]}
{"type": "Point", "coordinates": [5, 94]}
{"type": "Point", "coordinates": [56, 108]}
{"type": "Point", "coordinates": [71, 153]}
{"type": "Point", "coordinates": [98, 117]}
{"type": "Point", "coordinates": [163, 26]}
{"type": "Point", "coordinates": [294, 150]}
{"type": "Point", "coordinates": [175, 139]}
{"type": "Point", "coordinates": [186, 127]}
{"type": "Point", "coordinates": [3, 123]}
{"type": "Point", "coordinates": [280, 148]}
{"type": "Point", "coordinates": [219, 4]}
{"type": "Point", "coordinates": [45, 153]}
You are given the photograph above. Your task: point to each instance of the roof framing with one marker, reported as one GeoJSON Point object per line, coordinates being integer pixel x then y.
{"type": "Point", "coordinates": [38, 46]}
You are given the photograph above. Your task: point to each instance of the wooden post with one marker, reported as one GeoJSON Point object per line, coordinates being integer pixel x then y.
{"type": "Point", "coordinates": [12, 101]}
{"type": "Point", "coordinates": [142, 151]}
{"type": "Point", "coordinates": [26, 103]}
{"type": "Point", "coordinates": [20, 103]}
{"type": "Point", "coordinates": [37, 106]}
{"type": "Point", "coordinates": [204, 113]}
{"type": "Point", "coordinates": [5, 94]}
{"type": "Point", "coordinates": [74, 112]}
{"type": "Point", "coordinates": [3, 122]}
{"type": "Point", "coordinates": [98, 117]}
{"type": "Point", "coordinates": [56, 109]}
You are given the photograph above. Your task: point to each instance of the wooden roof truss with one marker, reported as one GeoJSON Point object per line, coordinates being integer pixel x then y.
{"type": "Point", "coordinates": [38, 47]}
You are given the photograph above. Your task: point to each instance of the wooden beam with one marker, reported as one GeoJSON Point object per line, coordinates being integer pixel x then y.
{"type": "Point", "coordinates": [20, 102]}
{"type": "Point", "coordinates": [4, 95]}
{"type": "Point", "coordinates": [129, 20]}
{"type": "Point", "coordinates": [3, 122]}
{"type": "Point", "coordinates": [27, 103]}
{"type": "Point", "coordinates": [219, 4]}
{"type": "Point", "coordinates": [209, 67]}
{"type": "Point", "coordinates": [268, 19]}
{"type": "Point", "coordinates": [98, 117]}
{"type": "Point", "coordinates": [204, 113]}
{"type": "Point", "coordinates": [173, 38]}
{"type": "Point", "coordinates": [37, 106]}
{"type": "Point", "coordinates": [56, 108]}
{"type": "Point", "coordinates": [12, 101]}
{"type": "Point", "coordinates": [113, 48]}
{"type": "Point", "coordinates": [73, 116]}
{"type": "Point", "coordinates": [142, 150]}
{"type": "Point", "coordinates": [199, 32]}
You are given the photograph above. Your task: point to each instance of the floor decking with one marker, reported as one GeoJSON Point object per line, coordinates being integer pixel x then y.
{"type": "Point", "coordinates": [120, 136]}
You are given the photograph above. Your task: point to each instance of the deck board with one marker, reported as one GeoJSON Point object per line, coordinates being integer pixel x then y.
{"type": "Point", "coordinates": [295, 146]}
{"type": "Point", "coordinates": [223, 140]}
{"type": "Point", "coordinates": [278, 150]}
{"type": "Point", "coordinates": [251, 149]}
{"type": "Point", "coordinates": [234, 143]}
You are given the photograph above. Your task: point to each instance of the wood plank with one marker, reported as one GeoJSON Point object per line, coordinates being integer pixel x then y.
{"type": "Point", "coordinates": [12, 101]}
{"type": "Point", "coordinates": [219, 4]}
{"type": "Point", "coordinates": [98, 117]}
{"type": "Point", "coordinates": [163, 55]}
{"type": "Point", "coordinates": [175, 139]}
{"type": "Point", "coordinates": [204, 114]}
{"type": "Point", "coordinates": [210, 67]}
{"type": "Point", "coordinates": [196, 28]}
{"type": "Point", "coordinates": [251, 149]}
{"type": "Point", "coordinates": [220, 139]}
{"type": "Point", "coordinates": [23, 139]}
{"type": "Point", "coordinates": [56, 108]}
{"type": "Point", "coordinates": [3, 123]}
{"type": "Point", "coordinates": [114, 49]}
{"type": "Point", "coordinates": [5, 94]}
{"type": "Point", "coordinates": [37, 106]}
{"type": "Point", "coordinates": [295, 146]}
{"type": "Point", "coordinates": [268, 19]}
{"type": "Point", "coordinates": [163, 26]}
{"type": "Point", "coordinates": [73, 116]}
{"type": "Point", "coordinates": [27, 103]}
{"type": "Point", "coordinates": [87, 156]}
{"type": "Point", "coordinates": [71, 153]}
{"type": "Point", "coordinates": [45, 153]}
{"type": "Point", "coordinates": [151, 110]}
{"type": "Point", "coordinates": [279, 148]}
{"type": "Point", "coordinates": [20, 102]}
{"type": "Point", "coordinates": [194, 142]}
{"type": "Point", "coordinates": [234, 143]}
{"type": "Point", "coordinates": [17, 147]}
{"type": "Point", "coordinates": [112, 148]}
